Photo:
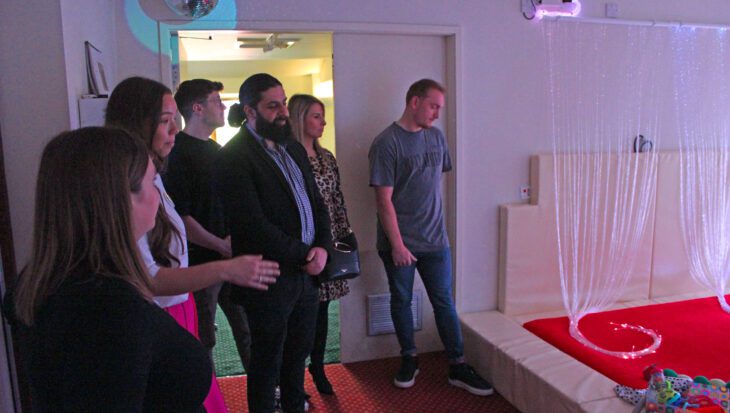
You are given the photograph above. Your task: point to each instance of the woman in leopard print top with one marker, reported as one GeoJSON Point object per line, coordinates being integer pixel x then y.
{"type": "Point", "coordinates": [307, 120]}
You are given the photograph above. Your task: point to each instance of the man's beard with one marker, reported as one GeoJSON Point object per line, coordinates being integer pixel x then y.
{"type": "Point", "coordinates": [272, 130]}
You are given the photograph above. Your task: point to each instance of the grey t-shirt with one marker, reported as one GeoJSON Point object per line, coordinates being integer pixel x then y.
{"type": "Point", "coordinates": [412, 163]}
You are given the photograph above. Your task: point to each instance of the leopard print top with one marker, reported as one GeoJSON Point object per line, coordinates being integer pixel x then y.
{"type": "Point", "coordinates": [327, 176]}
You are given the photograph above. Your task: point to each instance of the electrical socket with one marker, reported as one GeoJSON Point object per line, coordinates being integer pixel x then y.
{"type": "Point", "coordinates": [612, 10]}
{"type": "Point", "coordinates": [525, 192]}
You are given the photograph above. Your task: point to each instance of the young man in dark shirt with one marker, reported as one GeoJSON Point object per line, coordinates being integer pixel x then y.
{"type": "Point", "coordinates": [188, 181]}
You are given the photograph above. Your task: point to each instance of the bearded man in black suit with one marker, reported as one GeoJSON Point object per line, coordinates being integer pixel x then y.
{"type": "Point", "coordinates": [274, 209]}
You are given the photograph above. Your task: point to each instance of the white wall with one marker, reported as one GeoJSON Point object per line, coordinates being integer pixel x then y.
{"type": "Point", "coordinates": [82, 21]}
{"type": "Point", "coordinates": [33, 101]}
{"type": "Point", "coordinates": [33, 104]}
{"type": "Point", "coordinates": [42, 73]}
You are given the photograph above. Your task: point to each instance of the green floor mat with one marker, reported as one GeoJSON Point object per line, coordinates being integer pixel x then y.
{"type": "Point", "coordinates": [228, 363]}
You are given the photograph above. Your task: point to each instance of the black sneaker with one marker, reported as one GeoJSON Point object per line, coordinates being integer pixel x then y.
{"type": "Point", "coordinates": [406, 376]}
{"type": "Point", "coordinates": [463, 376]}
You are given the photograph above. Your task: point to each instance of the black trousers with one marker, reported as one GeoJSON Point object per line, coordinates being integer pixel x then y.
{"type": "Point", "coordinates": [320, 336]}
{"type": "Point", "coordinates": [282, 323]}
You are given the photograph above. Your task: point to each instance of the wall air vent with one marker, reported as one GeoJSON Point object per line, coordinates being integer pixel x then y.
{"type": "Point", "coordinates": [379, 321]}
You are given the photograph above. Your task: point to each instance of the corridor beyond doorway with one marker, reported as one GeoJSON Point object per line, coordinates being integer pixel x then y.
{"type": "Point", "coordinates": [301, 61]}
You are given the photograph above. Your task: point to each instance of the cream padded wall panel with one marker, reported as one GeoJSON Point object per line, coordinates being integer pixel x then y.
{"type": "Point", "coordinates": [670, 265]}
{"type": "Point", "coordinates": [529, 280]}
{"type": "Point", "coordinates": [528, 273]}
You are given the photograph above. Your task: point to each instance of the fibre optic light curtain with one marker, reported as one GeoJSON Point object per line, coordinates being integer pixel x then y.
{"type": "Point", "coordinates": [702, 101]}
{"type": "Point", "coordinates": [602, 93]}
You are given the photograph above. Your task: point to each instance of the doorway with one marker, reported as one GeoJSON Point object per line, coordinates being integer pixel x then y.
{"type": "Point", "coordinates": [301, 61]}
{"type": "Point", "coordinates": [303, 64]}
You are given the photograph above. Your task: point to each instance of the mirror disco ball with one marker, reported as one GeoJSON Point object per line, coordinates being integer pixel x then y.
{"type": "Point", "coordinates": [192, 8]}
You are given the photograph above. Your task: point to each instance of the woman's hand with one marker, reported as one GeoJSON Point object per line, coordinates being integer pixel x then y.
{"type": "Point", "coordinates": [251, 271]}
{"type": "Point", "coordinates": [316, 260]}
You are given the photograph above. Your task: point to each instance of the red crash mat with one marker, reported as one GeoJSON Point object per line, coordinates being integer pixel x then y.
{"type": "Point", "coordinates": [695, 339]}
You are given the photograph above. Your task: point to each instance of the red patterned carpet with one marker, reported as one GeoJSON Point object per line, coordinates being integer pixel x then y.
{"type": "Point", "coordinates": [368, 387]}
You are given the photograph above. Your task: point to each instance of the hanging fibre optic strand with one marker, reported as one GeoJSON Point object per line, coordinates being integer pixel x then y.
{"type": "Point", "coordinates": [603, 191]}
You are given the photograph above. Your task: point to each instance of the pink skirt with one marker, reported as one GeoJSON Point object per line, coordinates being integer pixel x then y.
{"type": "Point", "coordinates": [187, 316]}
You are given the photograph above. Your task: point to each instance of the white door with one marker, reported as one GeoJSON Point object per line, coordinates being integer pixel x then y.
{"type": "Point", "coordinates": [372, 73]}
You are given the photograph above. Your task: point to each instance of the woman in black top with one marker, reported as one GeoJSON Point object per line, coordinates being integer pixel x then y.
{"type": "Point", "coordinates": [91, 339]}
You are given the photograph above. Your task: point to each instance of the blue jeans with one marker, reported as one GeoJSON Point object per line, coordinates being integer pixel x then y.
{"type": "Point", "coordinates": [435, 270]}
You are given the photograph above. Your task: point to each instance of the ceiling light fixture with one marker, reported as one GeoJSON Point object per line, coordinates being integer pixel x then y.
{"type": "Point", "coordinates": [550, 8]}
{"type": "Point", "coordinates": [267, 44]}
{"type": "Point", "coordinates": [564, 8]}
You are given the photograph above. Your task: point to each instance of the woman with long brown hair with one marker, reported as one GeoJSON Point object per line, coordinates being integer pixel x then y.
{"type": "Point", "coordinates": [91, 337]}
{"type": "Point", "coordinates": [147, 109]}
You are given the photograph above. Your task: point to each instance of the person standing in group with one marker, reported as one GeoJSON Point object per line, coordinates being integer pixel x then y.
{"type": "Point", "coordinates": [90, 337]}
{"type": "Point", "coordinates": [306, 113]}
{"type": "Point", "coordinates": [147, 109]}
{"type": "Point", "coordinates": [407, 161]}
{"type": "Point", "coordinates": [188, 181]}
{"type": "Point", "coordinates": [273, 206]}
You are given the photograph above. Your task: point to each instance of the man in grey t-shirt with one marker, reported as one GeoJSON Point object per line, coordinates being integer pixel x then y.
{"type": "Point", "coordinates": [406, 163]}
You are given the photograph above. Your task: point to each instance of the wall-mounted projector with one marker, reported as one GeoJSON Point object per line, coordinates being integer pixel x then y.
{"type": "Point", "coordinates": [543, 8]}
{"type": "Point", "coordinates": [558, 8]}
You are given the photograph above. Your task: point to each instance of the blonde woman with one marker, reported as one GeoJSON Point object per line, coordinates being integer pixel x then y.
{"type": "Point", "coordinates": [306, 114]}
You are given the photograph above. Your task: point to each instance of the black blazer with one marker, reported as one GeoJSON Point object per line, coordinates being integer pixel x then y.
{"type": "Point", "coordinates": [260, 206]}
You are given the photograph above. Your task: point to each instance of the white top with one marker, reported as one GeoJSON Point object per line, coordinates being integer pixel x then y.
{"type": "Point", "coordinates": [176, 247]}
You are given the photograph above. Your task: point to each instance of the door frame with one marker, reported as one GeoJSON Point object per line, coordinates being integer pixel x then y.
{"type": "Point", "coordinates": [15, 393]}
{"type": "Point", "coordinates": [456, 209]}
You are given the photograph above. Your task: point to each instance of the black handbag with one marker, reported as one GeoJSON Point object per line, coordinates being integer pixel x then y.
{"type": "Point", "coordinates": [343, 261]}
